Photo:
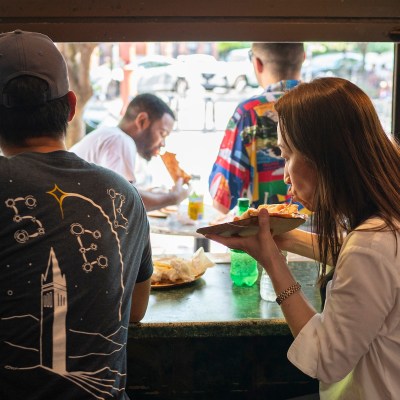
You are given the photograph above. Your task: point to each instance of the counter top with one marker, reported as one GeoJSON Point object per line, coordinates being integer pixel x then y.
{"type": "Point", "coordinates": [178, 223]}
{"type": "Point", "coordinates": [213, 306]}
{"type": "Point", "coordinates": [213, 340]}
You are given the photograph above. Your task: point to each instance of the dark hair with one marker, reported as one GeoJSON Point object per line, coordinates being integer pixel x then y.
{"type": "Point", "coordinates": [149, 103]}
{"type": "Point", "coordinates": [333, 123]}
{"type": "Point", "coordinates": [30, 115]}
{"type": "Point", "coordinates": [284, 59]}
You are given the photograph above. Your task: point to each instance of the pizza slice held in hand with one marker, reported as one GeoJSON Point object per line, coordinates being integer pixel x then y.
{"type": "Point", "coordinates": [282, 210]}
{"type": "Point", "coordinates": [172, 165]}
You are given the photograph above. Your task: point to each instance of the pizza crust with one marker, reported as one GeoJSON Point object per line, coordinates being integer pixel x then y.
{"type": "Point", "coordinates": [283, 210]}
{"type": "Point", "coordinates": [173, 168]}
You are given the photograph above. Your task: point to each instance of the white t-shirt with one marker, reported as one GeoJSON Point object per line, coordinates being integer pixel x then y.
{"type": "Point", "coordinates": [353, 347]}
{"type": "Point", "coordinates": [111, 148]}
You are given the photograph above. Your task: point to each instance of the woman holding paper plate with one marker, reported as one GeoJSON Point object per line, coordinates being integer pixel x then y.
{"type": "Point", "coordinates": [342, 166]}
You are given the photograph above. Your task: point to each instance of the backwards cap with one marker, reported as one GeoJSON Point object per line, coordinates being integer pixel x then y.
{"type": "Point", "coordinates": [32, 54]}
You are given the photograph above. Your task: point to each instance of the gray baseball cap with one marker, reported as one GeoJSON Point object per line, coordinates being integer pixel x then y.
{"type": "Point", "coordinates": [32, 54]}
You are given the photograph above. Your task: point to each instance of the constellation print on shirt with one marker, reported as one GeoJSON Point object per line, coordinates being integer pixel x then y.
{"type": "Point", "coordinates": [118, 209]}
{"type": "Point", "coordinates": [102, 261]}
{"type": "Point", "coordinates": [21, 235]}
{"type": "Point", "coordinates": [61, 196]}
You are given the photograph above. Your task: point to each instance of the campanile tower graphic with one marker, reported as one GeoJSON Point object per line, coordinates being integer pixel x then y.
{"type": "Point", "coordinates": [54, 306]}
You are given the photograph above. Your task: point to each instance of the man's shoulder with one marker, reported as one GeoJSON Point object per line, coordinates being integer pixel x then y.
{"type": "Point", "coordinates": [271, 94]}
{"type": "Point", "coordinates": [116, 185]}
{"type": "Point", "coordinates": [105, 131]}
{"type": "Point", "coordinates": [252, 101]}
{"type": "Point", "coordinates": [258, 105]}
{"type": "Point", "coordinates": [260, 100]}
{"type": "Point", "coordinates": [100, 137]}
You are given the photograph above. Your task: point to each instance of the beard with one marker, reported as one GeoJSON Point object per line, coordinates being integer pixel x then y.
{"type": "Point", "coordinates": [147, 156]}
{"type": "Point", "coordinates": [145, 149]}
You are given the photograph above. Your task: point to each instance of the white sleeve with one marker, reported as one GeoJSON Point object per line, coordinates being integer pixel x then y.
{"type": "Point", "coordinates": [119, 154]}
{"type": "Point", "coordinates": [304, 351]}
{"type": "Point", "coordinates": [360, 297]}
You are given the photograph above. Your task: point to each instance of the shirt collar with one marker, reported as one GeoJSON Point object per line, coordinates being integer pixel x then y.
{"type": "Point", "coordinates": [282, 86]}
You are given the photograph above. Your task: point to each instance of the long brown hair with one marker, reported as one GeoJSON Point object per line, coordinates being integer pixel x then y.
{"type": "Point", "coordinates": [333, 123]}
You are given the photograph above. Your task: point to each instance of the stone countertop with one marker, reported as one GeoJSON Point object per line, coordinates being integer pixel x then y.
{"type": "Point", "coordinates": [213, 306]}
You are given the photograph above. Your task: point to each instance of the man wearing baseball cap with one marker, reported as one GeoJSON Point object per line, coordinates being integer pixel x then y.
{"type": "Point", "coordinates": [75, 254]}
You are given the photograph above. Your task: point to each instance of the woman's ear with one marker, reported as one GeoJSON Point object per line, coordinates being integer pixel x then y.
{"type": "Point", "coordinates": [72, 104]}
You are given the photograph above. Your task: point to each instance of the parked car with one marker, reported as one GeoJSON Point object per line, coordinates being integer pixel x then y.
{"type": "Point", "coordinates": [204, 70]}
{"type": "Point", "coordinates": [98, 112]}
{"type": "Point", "coordinates": [100, 79]}
{"type": "Point", "coordinates": [334, 64]}
{"type": "Point", "coordinates": [239, 70]}
{"type": "Point", "coordinates": [157, 73]}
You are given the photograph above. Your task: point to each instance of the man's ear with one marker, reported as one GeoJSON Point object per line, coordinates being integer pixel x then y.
{"type": "Point", "coordinates": [259, 65]}
{"type": "Point", "coordinates": [142, 120]}
{"type": "Point", "coordinates": [72, 104]}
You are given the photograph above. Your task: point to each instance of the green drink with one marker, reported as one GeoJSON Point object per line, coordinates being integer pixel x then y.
{"type": "Point", "coordinates": [244, 271]}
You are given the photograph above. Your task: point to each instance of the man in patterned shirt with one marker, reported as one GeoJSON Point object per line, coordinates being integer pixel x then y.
{"type": "Point", "coordinates": [249, 162]}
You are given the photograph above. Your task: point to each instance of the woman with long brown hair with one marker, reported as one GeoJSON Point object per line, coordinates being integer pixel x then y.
{"type": "Point", "coordinates": [342, 166]}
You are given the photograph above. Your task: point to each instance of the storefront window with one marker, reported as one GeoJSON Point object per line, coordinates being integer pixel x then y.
{"type": "Point", "coordinates": [203, 83]}
{"type": "Point", "coordinates": [212, 77]}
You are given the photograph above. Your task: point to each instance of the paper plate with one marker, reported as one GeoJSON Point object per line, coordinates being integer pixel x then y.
{"type": "Point", "coordinates": [249, 226]}
{"type": "Point", "coordinates": [163, 212]}
{"type": "Point", "coordinates": [180, 283]}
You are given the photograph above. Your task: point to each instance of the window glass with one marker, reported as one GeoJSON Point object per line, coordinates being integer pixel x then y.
{"type": "Point", "coordinates": [204, 82]}
{"type": "Point", "coordinates": [368, 65]}
{"type": "Point", "coordinates": [220, 74]}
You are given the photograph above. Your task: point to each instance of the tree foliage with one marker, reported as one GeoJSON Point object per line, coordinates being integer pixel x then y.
{"type": "Point", "coordinates": [77, 57]}
{"type": "Point", "coordinates": [225, 47]}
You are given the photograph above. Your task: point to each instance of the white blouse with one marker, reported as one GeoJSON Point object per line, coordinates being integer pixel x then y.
{"type": "Point", "coordinates": [353, 346]}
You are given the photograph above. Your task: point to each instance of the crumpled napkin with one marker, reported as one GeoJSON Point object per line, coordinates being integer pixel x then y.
{"type": "Point", "coordinates": [173, 269]}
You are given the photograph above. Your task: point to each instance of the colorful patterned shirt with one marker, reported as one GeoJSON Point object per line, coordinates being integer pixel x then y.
{"type": "Point", "coordinates": [249, 163]}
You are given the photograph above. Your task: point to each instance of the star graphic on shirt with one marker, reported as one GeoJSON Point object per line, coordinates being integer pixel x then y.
{"type": "Point", "coordinates": [59, 195]}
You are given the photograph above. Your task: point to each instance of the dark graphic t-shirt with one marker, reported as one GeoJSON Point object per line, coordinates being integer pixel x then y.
{"type": "Point", "coordinates": [74, 240]}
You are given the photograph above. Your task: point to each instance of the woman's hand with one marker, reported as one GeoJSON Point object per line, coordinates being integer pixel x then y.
{"type": "Point", "coordinates": [260, 246]}
{"type": "Point", "coordinates": [264, 249]}
{"type": "Point", "coordinates": [286, 240]}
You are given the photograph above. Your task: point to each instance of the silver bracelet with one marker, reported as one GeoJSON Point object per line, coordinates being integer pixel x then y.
{"type": "Point", "coordinates": [288, 292]}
